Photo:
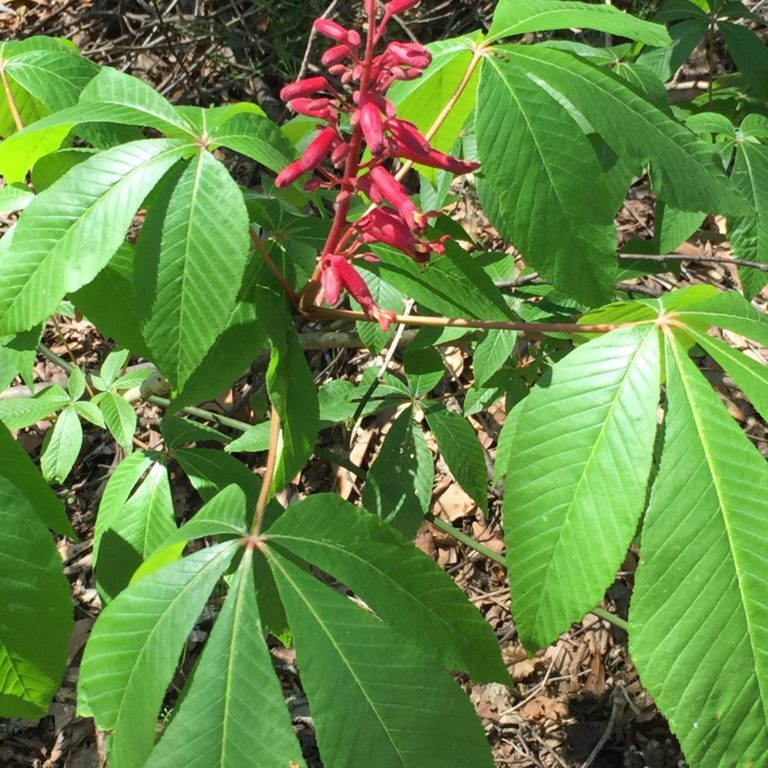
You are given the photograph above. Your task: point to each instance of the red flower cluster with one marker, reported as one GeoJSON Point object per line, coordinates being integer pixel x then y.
{"type": "Point", "coordinates": [363, 78]}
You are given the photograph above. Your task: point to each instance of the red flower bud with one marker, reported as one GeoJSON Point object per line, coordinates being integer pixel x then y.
{"type": "Point", "coordinates": [308, 87]}
{"type": "Point", "coordinates": [313, 155]}
{"type": "Point", "coordinates": [399, 6]}
{"type": "Point", "coordinates": [336, 55]}
{"type": "Point", "coordinates": [339, 155]}
{"type": "Point", "coordinates": [353, 38]}
{"type": "Point", "coordinates": [400, 73]}
{"type": "Point", "coordinates": [372, 127]}
{"type": "Point", "coordinates": [410, 54]}
{"type": "Point", "coordinates": [322, 109]}
{"type": "Point", "coordinates": [394, 193]}
{"type": "Point", "coordinates": [331, 29]}
{"type": "Point", "coordinates": [382, 226]}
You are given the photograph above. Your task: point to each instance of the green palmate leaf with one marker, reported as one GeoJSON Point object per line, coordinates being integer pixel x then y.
{"type": "Point", "coordinates": [422, 100]}
{"type": "Point", "coordinates": [210, 471]}
{"type": "Point", "coordinates": [110, 97]}
{"type": "Point", "coordinates": [536, 199]}
{"type": "Point", "coordinates": [15, 198]}
{"type": "Point", "coordinates": [542, 182]}
{"type": "Point", "coordinates": [386, 297]}
{"type": "Point", "coordinates": [750, 376]}
{"type": "Point", "coordinates": [699, 613]}
{"type": "Point", "coordinates": [459, 446]}
{"type": "Point", "coordinates": [491, 353]}
{"type": "Point", "coordinates": [20, 412]}
{"type": "Point", "coordinates": [125, 99]}
{"type": "Point", "coordinates": [454, 284]}
{"type": "Point", "coordinates": [725, 309]}
{"type": "Point", "coordinates": [36, 620]}
{"type": "Point", "coordinates": [576, 484]}
{"type": "Point", "coordinates": [515, 17]}
{"type": "Point", "coordinates": [107, 301]}
{"type": "Point", "coordinates": [55, 78]}
{"type": "Point", "coordinates": [18, 354]}
{"type": "Point", "coordinates": [207, 120]}
{"type": "Point", "coordinates": [405, 588]}
{"type": "Point", "coordinates": [132, 522]}
{"type": "Point", "coordinates": [226, 361]}
{"type": "Point", "coordinates": [21, 151]}
{"type": "Point", "coordinates": [224, 514]}
{"type": "Point", "coordinates": [424, 368]}
{"type": "Point", "coordinates": [256, 137]}
{"type": "Point", "coordinates": [120, 418]}
{"type": "Point", "coordinates": [398, 709]}
{"type": "Point", "coordinates": [254, 440]}
{"type": "Point", "coordinates": [506, 448]}
{"type": "Point", "coordinates": [610, 108]}
{"type": "Point", "coordinates": [391, 485]}
{"type": "Point", "coordinates": [749, 234]}
{"type": "Point", "coordinates": [749, 54]}
{"type": "Point", "coordinates": [132, 652]}
{"type": "Point", "coordinates": [71, 230]}
{"type": "Point", "coordinates": [20, 480]}
{"type": "Point", "coordinates": [190, 261]}
{"type": "Point", "coordinates": [89, 411]}
{"type": "Point", "coordinates": [49, 169]}
{"type": "Point", "coordinates": [112, 368]}
{"type": "Point", "coordinates": [62, 446]}
{"type": "Point", "coordinates": [233, 713]}
{"type": "Point", "coordinates": [178, 431]}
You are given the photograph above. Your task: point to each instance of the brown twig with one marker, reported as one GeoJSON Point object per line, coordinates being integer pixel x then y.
{"type": "Point", "coordinates": [321, 313]}
{"type": "Point", "coordinates": [269, 473]}
{"type": "Point", "coordinates": [695, 259]}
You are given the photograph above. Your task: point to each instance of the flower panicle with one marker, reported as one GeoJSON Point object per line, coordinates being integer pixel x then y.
{"type": "Point", "coordinates": [354, 95]}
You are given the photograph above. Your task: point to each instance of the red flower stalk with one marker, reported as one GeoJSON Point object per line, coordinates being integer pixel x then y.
{"type": "Point", "coordinates": [375, 128]}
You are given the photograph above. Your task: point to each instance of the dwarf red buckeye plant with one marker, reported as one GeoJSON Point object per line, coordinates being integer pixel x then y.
{"type": "Point", "coordinates": [613, 438]}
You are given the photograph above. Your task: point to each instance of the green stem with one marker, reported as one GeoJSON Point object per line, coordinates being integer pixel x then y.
{"type": "Point", "coordinates": [446, 527]}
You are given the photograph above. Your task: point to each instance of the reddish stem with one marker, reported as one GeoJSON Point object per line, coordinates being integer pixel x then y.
{"type": "Point", "coordinates": [344, 199]}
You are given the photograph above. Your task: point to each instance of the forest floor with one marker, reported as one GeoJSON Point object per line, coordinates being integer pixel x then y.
{"type": "Point", "coordinates": [576, 704]}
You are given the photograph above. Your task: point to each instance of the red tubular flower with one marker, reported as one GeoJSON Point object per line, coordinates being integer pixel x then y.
{"type": "Point", "coordinates": [313, 155]}
{"type": "Point", "coordinates": [382, 226]}
{"type": "Point", "coordinates": [308, 87]}
{"type": "Point", "coordinates": [331, 29]}
{"type": "Point", "coordinates": [338, 273]}
{"type": "Point", "coordinates": [394, 193]}
{"type": "Point", "coordinates": [372, 127]}
{"type": "Point", "coordinates": [435, 159]}
{"type": "Point", "coordinates": [407, 135]}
